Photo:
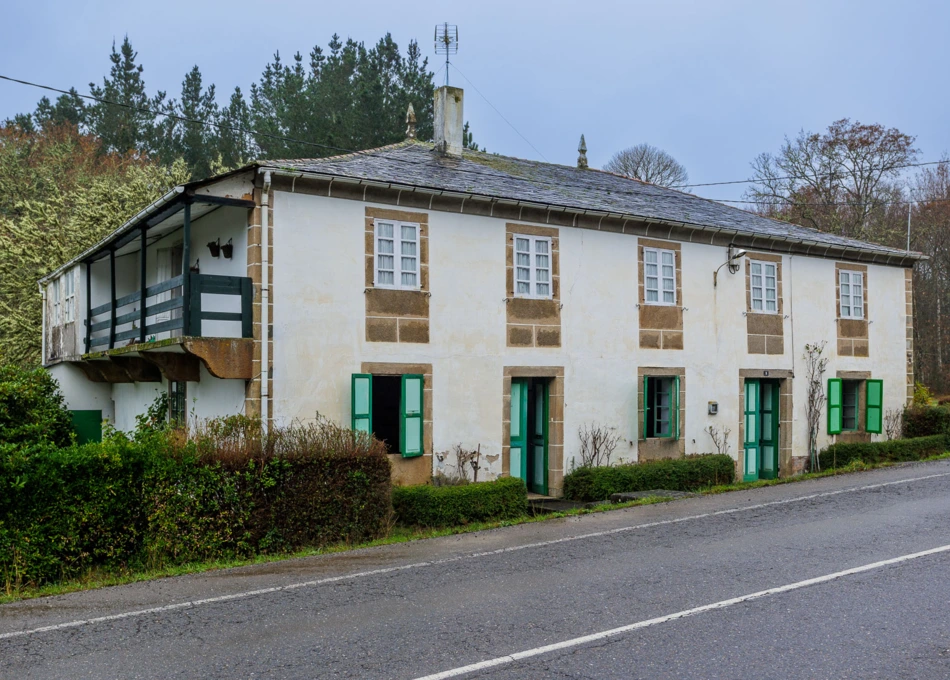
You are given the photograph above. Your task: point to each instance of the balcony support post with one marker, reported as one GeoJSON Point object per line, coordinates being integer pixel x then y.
{"type": "Point", "coordinates": [142, 271]}
{"type": "Point", "coordinates": [112, 298]}
{"type": "Point", "coordinates": [186, 271]}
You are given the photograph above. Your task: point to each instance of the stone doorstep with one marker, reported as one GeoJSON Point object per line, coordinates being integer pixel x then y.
{"type": "Point", "coordinates": [652, 493]}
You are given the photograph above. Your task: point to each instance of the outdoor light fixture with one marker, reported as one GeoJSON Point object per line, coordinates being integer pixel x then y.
{"type": "Point", "coordinates": [215, 248]}
{"type": "Point", "coordinates": [227, 249]}
{"type": "Point", "coordinates": [731, 258]}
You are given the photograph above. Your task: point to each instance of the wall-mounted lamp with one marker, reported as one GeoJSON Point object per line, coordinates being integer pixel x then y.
{"type": "Point", "coordinates": [215, 247]}
{"type": "Point", "coordinates": [227, 249]}
{"type": "Point", "coordinates": [731, 258]}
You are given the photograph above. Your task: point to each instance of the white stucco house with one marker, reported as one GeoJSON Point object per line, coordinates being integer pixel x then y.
{"type": "Point", "coordinates": [439, 296]}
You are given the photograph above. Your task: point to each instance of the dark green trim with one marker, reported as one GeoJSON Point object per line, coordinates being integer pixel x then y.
{"type": "Point", "coordinates": [366, 415]}
{"type": "Point", "coordinates": [407, 415]}
{"type": "Point", "coordinates": [834, 405]}
{"type": "Point", "coordinates": [874, 408]}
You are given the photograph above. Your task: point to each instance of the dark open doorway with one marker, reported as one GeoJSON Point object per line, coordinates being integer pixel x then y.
{"type": "Point", "coordinates": [387, 394]}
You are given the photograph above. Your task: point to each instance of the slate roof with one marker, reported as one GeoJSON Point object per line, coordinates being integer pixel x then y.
{"type": "Point", "coordinates": [413, 163]}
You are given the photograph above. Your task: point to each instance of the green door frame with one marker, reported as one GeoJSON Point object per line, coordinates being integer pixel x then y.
{"type": "Point", "coordinates": [518, 453]}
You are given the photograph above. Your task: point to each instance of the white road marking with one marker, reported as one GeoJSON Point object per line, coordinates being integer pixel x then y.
{"type": "Point", "coordinates": [613, 632]}
{"type": "Point", "coordinates": [448, 560]}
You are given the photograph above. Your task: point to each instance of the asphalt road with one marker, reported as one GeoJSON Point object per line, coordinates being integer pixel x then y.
{"type": "Point", "coordinates": [498, 598]}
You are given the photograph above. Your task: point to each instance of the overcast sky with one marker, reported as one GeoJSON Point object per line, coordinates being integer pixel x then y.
{"type": "Point", "coordinates": [712, 83]}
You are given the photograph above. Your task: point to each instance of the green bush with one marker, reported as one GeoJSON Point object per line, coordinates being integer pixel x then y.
{"type": "Point", "coordinates": [443, 506]}
{"type": "Point", "coordinates": [158, 500]}
{"type": "Point", "coordinates": [924, 421]}
{"type": "Point", "coordinates": [897, 450]}
{"type": "Point", "coordinates": [31, 408]}
{"type": "Point", "coordinates": [676, 474]}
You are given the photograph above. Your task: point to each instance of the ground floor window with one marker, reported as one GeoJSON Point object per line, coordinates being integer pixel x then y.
{"type": "Point", "coordinates": [390, 407]}
{"type": "Point", "coordinates": [177, 402]}
{"type": "Point", "coordinates": [661, 406]}
{"type": "Point", "coordinates": [844, 405]}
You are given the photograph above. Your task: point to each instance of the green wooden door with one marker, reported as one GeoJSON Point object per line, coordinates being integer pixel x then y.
{"type": "Point", "coordinates": [518, 455]}
{"type": "Point", "coordinates": [538, 438]}
{"type": "Point", "coordinates": [751, 414]}
{"type": "Point", "coordinates": [768, 434]}
{"type": "Point", "coordinates": [88, 426]}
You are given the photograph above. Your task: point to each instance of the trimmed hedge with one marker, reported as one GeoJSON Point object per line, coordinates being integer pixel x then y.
{"type": "Point", "coordinates": [924, 421]}
{"type": "Point", "coordinates": [124, 504]}
{"type": "Point", "coordinates": [676, 474]}
{"type": "Point", "coordinates": [32, 409]}
{"type": "Point", "coordinates": [443, 506]}
{"type": "Point", "coordinates": [896, 450]}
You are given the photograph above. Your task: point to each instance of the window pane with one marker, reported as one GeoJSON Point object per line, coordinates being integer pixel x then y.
{"type": "Point", "coordinates": [756, 268]}
{"type": "Point", "coordinates": [544, 289]}
{"type": "Point", "coordinates": [541, 246]}
{"type": "Point", "coordinates": [386, 261]}
{"type": "Point", "coordinates": [385, 230]}
{"type": "Point", "coordinates": [408, 279]}
{"type": "Point", "coordinates": [523, 274]}
{"type": "Point", "coordinates": [667, 284]}
{"type": "Point", "coordinates": [542, 275]}
{"type": "Point", "coordinates": [668, 271]}
{"type": "Point", "coordinates": [540, 260]}
{"type": "Point", "coordinates": [408, 247]}
{"type": "Point", "coordinates": [408, 233]}
{"type": "Point", "coordinates": [653, 295]}
{"type": "Point", "coordinates": [524, 260]}
{"type": "Point", "coordinates": [770, 282]}
{"type": "Point", "coordinates": [652, 283]}
{"type": "Point", "coordinates": [756, 281]}
{"type": "Point", "coordinates": [667, 257]}
{"type": "Point", "coordinates": [408, 264]}
{"type": "Point", "coordinates": [650, 256]}
{"type": "Point", "coordinates": [385, 278]}
{"type": "Point", "coordinates": [384, 246]}
{"type": "Point", "coordinates": [756, 303]}
{"type": "Point", "coordinates": [521, 244]}
{"type": "Point", "coordinates": [668, 296]}
{"type": "Point", "coordinates": [770, 305]}
{"type": "Point", "coordinates": [524, 288]}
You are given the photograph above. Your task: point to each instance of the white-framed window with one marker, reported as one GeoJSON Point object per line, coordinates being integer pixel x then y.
{"type": "Point", "coordinates": [532, 266]}
{"type": "Point", "coordinates": [851, 286]}
{"type": "Point", "coordinates": [57, 302]}
{"type": "Point", "coordinates": [69, 297]}
{"type": "Point", "coordinates": [764, 286]}
{"type": "Point", "coordinates": [397, 255]}
{"type": "Point", "coordinates": [659, 276]}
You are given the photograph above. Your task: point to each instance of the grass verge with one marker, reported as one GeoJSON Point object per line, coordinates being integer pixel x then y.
{"type": "Point", "coordinates": [98, 579]}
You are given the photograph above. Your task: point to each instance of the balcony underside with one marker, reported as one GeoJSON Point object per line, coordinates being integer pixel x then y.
{"type": "Point", "coordinates": [176, 359]}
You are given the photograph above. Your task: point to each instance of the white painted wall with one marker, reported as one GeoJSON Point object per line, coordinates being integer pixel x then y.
{"type": "Point", "coordinates": [81, 394]}
{"type": "Point", "coordinates": [132, 399]}
{"type": "Point", "coordinates": [319, 333]}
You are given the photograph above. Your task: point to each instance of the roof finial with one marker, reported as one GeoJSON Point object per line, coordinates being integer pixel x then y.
{"type": "Point", "coordinates": [582, 158]}
{"type": "Point", "coordinates": [410, 123]}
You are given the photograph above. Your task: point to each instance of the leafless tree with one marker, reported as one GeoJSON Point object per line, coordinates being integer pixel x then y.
{"type": "Point", "coordinates": [893, 423]}
{"type": "Point", "coordinates": [597, 444]}
{"type": "Point", "coordinates": [720, 439]}
{"type": "Point", "coordinates": [649, 164]}
{"type": "Point", "coordinates": [843, 181]}
{"type": "Point", "coordinates": [815, 365]}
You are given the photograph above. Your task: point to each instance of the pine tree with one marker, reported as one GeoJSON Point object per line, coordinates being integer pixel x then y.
{"type": "Point", "coordinates": [193, 140]}
{"type": "Point", "coordinates": [234, 145]}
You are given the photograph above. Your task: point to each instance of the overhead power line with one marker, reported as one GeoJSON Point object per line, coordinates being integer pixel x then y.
{"type": "Point", "coordinates": [371, 154]}
{"type": "Point", "coordinates": [777, 179]}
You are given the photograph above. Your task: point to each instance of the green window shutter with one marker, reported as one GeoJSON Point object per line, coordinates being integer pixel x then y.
{"type": "Point", "coordinates": [361, 402]}
{"type": "Point", "coordinates": [410, 429]}
{"type": "Point", "coordinates": [646, 409]}
{"type": "Point", "coordinates": [675, 401]}
{"type": "Point", "coordinates": [834, 405]}
{"type": "Point", "coordinates": [873, 417]}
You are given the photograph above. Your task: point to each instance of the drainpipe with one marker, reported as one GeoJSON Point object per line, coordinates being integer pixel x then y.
{"type": "Point", "coordinates": [43, 340]}
{"type": "Point", "coordinates": [265, 302]}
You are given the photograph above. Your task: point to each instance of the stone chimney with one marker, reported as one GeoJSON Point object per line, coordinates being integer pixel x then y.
{"type": "Point", "coordinates": [448, 120]}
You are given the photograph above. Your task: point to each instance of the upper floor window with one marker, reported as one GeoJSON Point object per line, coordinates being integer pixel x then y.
{"type": "Point", "coordinates": [764, 287]}
{"type": "Point", "coordinates": [851, 289]}
{"type": "Point", "coordinates": [532, 266]}
{"type": "Point", "coordinates": [69, 296]}
{"type": "Point", "coordinates": [397, 255]}
{"type": "Point", "coordinates": [659, 268]}
{"type": "Point", "coordinates": [57, 302]}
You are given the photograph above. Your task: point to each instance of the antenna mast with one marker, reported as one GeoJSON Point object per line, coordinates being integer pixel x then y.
{"type": "Point", "coordinates": [446, 42]}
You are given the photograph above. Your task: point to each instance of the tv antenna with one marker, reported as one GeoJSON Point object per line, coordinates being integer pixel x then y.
{"type": "Point", "coordinates": [446, 42]}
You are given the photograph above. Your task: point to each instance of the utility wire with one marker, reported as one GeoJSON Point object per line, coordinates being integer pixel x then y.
{"type": "Point", "coordinates": [775, 179]}
{"type": "Point", "coordinates": [500, 114]}
{"type": "Point", "coordinates": [793, 204]}
{"type": "Point", "coordinates": [248, 131]}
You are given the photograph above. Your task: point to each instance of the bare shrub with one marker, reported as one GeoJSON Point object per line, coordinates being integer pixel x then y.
{"type": "Point", "coordinates": [235, 440]}
{"type": "Point", "coordinates": [720, 439]}
{"type": "Point", "coordinates": [815, 365]}
{"type": "Point", "coordinates": [894, 423]}
{"type": "Point", "coordinates": [597, 444]}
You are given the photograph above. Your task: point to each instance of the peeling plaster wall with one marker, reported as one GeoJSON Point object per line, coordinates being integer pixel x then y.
{"type": "Point", "coordinates": [319, 328]}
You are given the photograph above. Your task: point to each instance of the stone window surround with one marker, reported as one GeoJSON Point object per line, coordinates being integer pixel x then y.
{"type": "Point", "coordinates": [660, 325]}
{"type": "Point", "coordinates": [416, 470]}
{"type": "Point", "coordinates": [861, 434]}
{"type": "Point", "coordinates": [853, 338]}
{"type": "Point", "coordinates": [532, 322]}
{"type": "Point", "coordinates": [396, 314]}
{"type": "Point", "coordinates": [656, 448]}
{"type": "Point", "coordinates": [788, 463]}
{"type": "Point", "coordinates": [765, 331]}
{"type": "Point", "coordinates": [555, 421]}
